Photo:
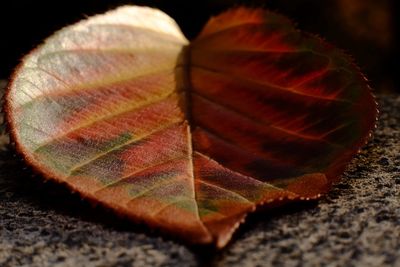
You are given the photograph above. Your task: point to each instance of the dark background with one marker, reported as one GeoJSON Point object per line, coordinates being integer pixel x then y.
{"type": "Point", "coordinates": [366, 29]}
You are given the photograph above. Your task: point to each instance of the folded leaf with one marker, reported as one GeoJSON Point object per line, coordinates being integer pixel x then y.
{"type": "Point", "coordinates": [189, 138]}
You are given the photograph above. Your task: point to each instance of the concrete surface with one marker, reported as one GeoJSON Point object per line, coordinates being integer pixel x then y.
{"type": "Point", "coordinates": [357, 224]}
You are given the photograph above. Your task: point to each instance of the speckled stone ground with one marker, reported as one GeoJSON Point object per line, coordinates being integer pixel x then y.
{"type": "Point", "coordinates": [356, 224]}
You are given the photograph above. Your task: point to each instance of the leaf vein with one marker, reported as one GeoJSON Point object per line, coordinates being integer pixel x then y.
{"type": "Point", "coordinates": [225, 190]}
{"type": "Point", "coordinates": [101, 119]}
{"type": "Point", "coordinates": [263, 125]}
{"type": "Point", "coordinates": [131, 174]}
{"type": "Point", "coordinates": [133, 140]}
{"type": "Point", "coordinates": [275, 86]}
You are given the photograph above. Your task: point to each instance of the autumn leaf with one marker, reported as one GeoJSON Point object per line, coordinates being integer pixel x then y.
{"type": "Point", "coordinates": [189, 137]}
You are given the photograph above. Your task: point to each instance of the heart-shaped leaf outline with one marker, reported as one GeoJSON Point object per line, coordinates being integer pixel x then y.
{"type": "Point", "coordinates": [189, 138]}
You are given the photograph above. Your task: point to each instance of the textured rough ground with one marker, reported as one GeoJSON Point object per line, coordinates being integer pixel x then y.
{"type": "Point", "coordinates": [357, 224]}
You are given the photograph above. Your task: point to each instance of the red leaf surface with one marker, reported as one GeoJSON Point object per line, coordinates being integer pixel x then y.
{"type": "Point", "coordinates": [189, 138]}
